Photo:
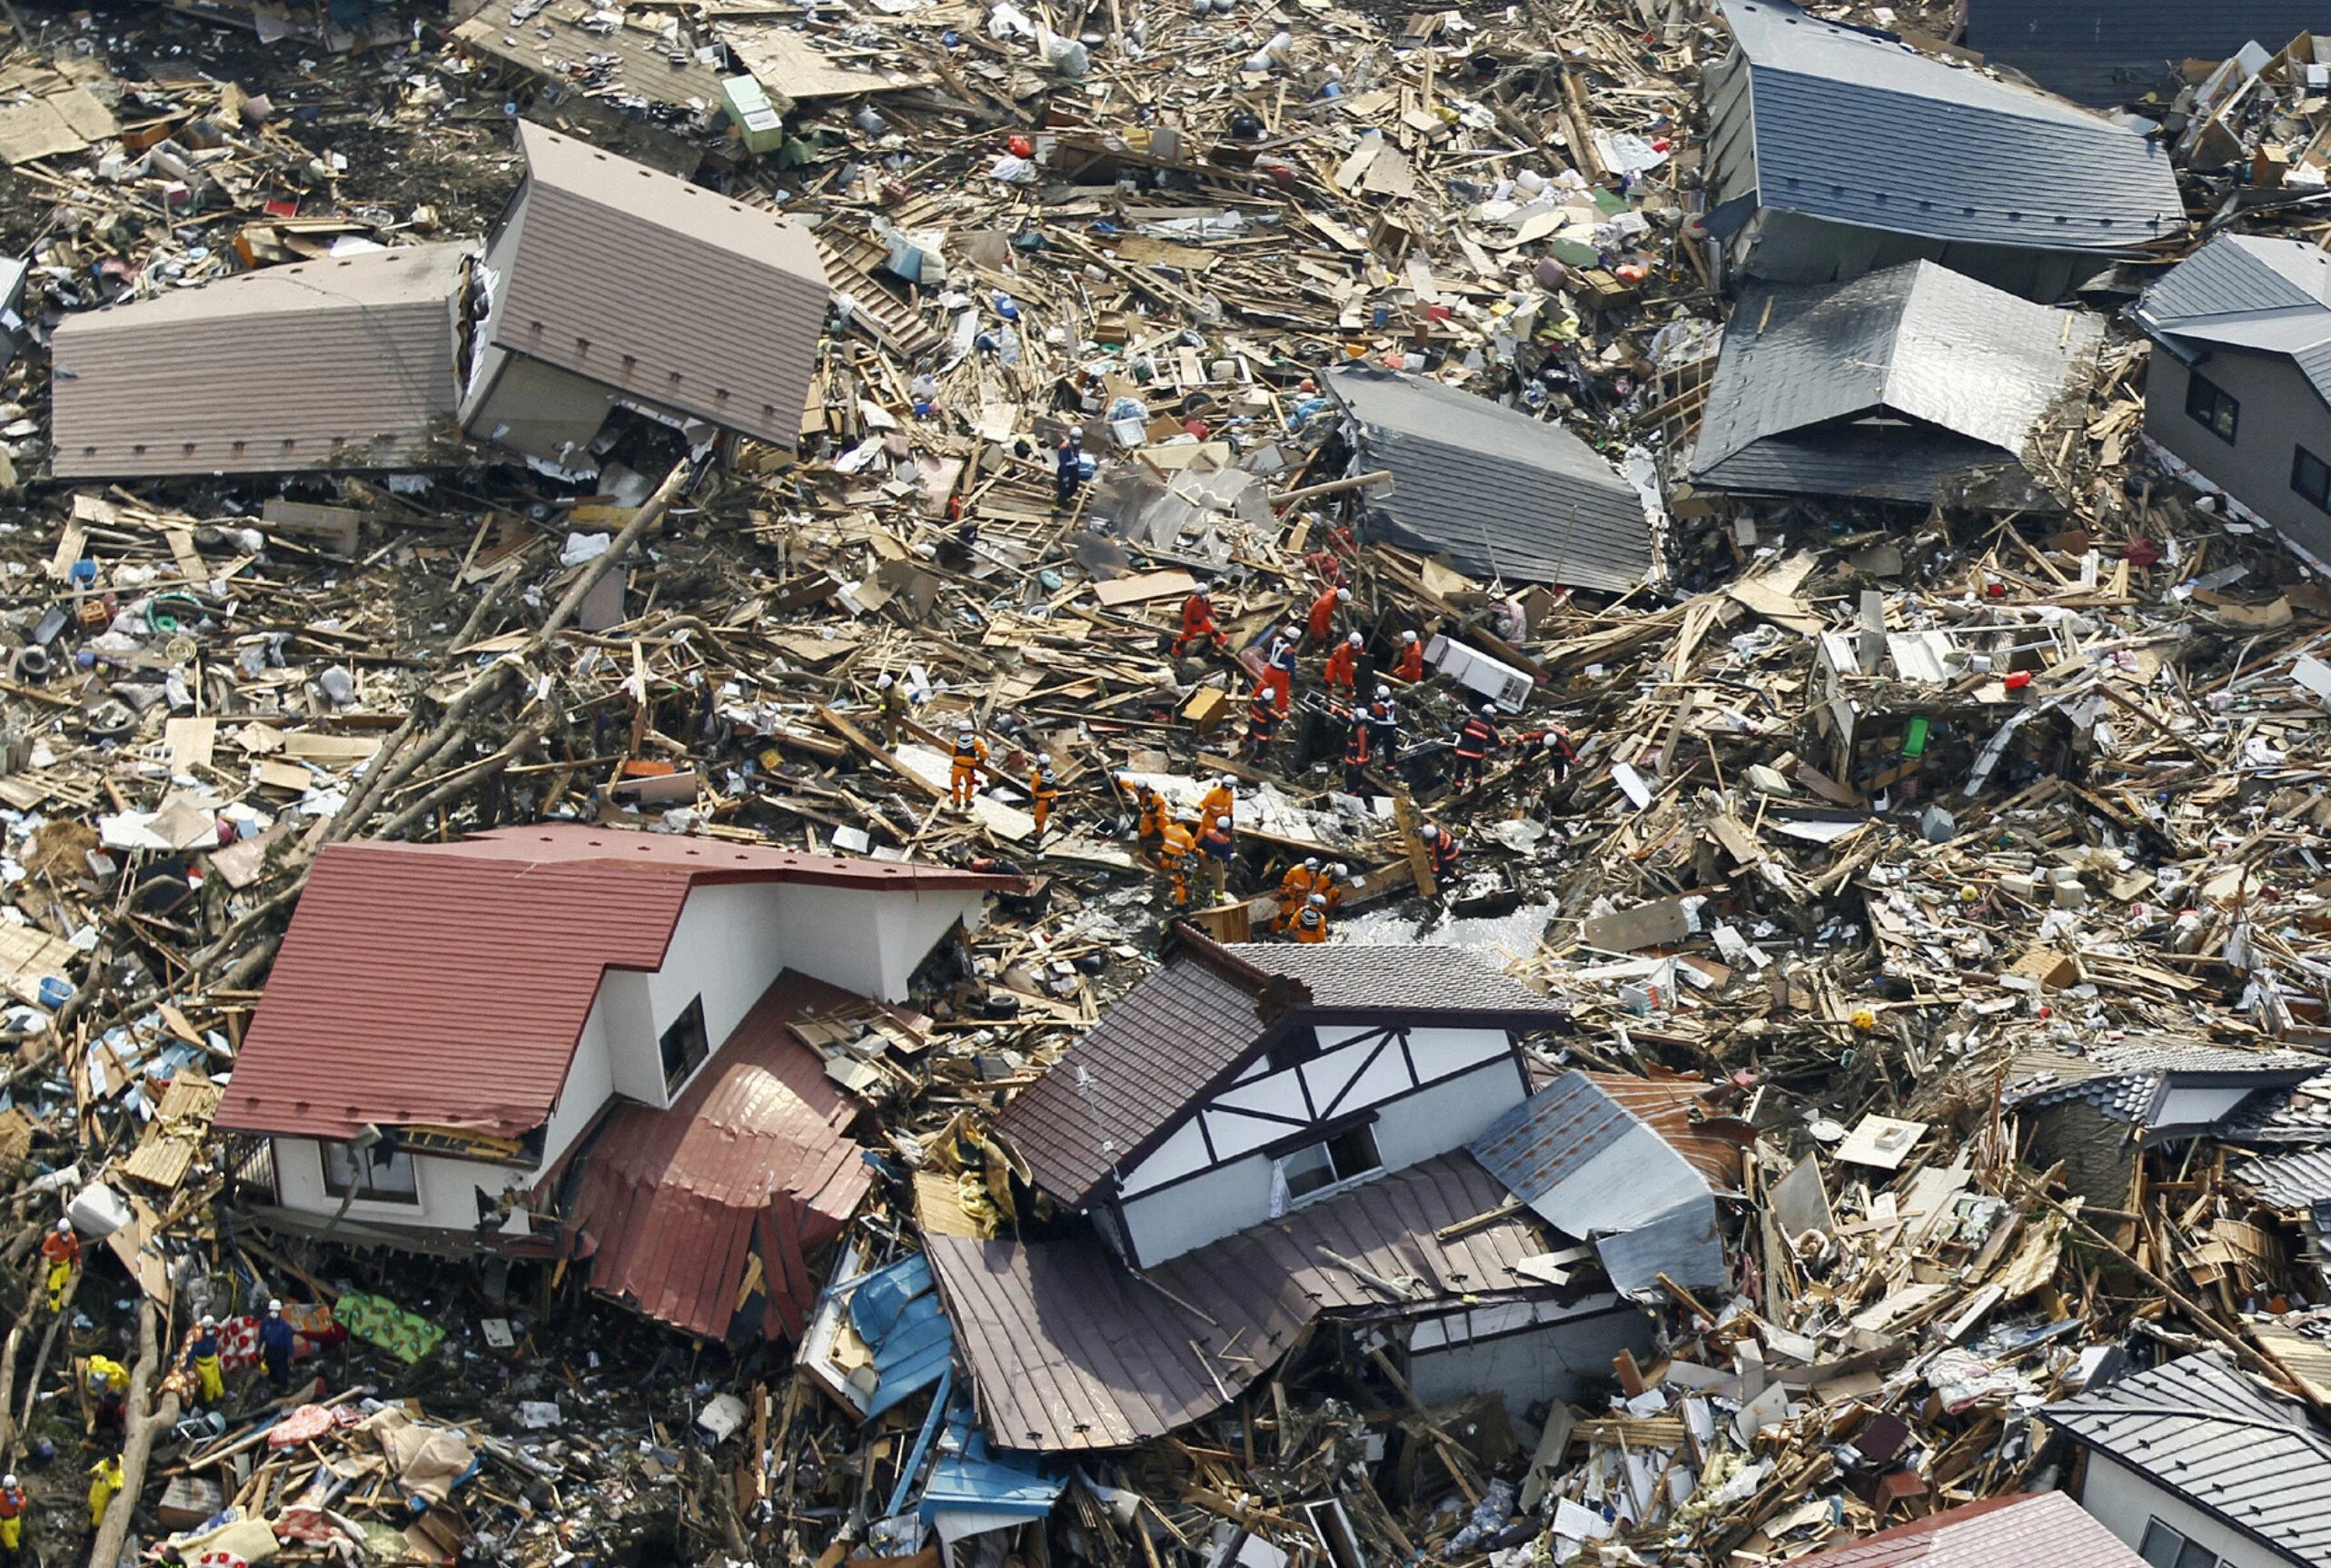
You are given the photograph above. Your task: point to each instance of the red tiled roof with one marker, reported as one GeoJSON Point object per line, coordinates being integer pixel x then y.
{"type": "Point", "coordinates": [2035, 1530]}
{"type": "Point", "coordinates": [751, 1158]}
{"type": "Point", "coordinates": [446, 985]}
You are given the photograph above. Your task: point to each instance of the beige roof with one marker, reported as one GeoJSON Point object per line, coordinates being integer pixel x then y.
{"type": "Point", "coordinates": [345, 362]}
{"type": "Point", "coordinates": [665, 291]}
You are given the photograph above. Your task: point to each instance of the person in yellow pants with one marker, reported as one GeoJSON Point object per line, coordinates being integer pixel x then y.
{"type": "Point", "coordinates": [62, 1250]}
{"type": "Point", "coordinates": [105, 1480]}
{"type": "Point", "coordinates": [12, 1515]}
{"type": "Point", "coordinates": [202, 1359]}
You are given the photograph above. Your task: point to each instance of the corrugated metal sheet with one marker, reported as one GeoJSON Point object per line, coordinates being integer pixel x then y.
{"type": "Point", "coordinates": [751, 1158]}
{"type": "Point", "coordinates": [2222, 1441]}
{"type": "Point", "coordinates": [1594, 1168]}
{"type": "Point", "coordinates": [1855, 127]}
{"type": "Point", "coordinates": [975, 1487]}
{"type": "Point", "coordinates": [446, 985]}
{"type": "Point", "coordinates": [2031, 1530]}
{"type": "Point", "coordinates": [2107, 52]}
{"type": "Point", "coordinates": [1501, 494]}
{"type": "Point", "coordinates": [349, 362]}
{"type": "Point", "coordinates": [669, 292]}
{"type": "Point", "coordinates": [1069, 1350]}
{"type": "Point", "coordinates": [895, 1311]}
{"type": "Point", "coordinates": [1156, 1052]}
{"type": "Point", "coordinates": [1802, 363]}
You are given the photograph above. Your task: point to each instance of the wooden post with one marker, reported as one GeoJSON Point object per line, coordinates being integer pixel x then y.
{"type": "Point", "coordinates": [1404, 811]}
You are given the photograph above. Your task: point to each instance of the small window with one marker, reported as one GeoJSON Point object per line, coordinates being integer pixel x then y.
{"type": "Point", "coordinates": [2311, 476]}
{"type": "Point", "coordinates": [2165, 1548]}
{"type": "Point", "coordinates": [2211, 407]}
{"type": "Point", "coordinates": [684, 1045]}
{"type": "Point", "coordinates": [1298, 1044]}
{"type": "Point", "coordinates": [377, 1175]}
{"type": "Point", "coordinates": [1345, 1158]}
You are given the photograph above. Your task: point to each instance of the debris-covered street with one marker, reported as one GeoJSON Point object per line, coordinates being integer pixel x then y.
{"type": "Point", "coordinates": [1232, 784]}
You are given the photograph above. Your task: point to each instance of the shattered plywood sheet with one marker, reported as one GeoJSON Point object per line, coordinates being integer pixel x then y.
{"type": "Point", "coordinates": [65, 120]}
{"type": "Point", "coordinates": [789, 66]}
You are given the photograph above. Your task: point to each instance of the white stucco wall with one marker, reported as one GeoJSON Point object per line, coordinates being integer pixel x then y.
{"type": "Point", "coordinates": [589, 1085]}
{"type": "Point", "coordinates": [2124, 1502]}
{"type": "Point", "coordinates": [447, 1189]}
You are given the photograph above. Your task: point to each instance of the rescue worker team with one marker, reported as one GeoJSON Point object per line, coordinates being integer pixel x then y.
{"type": "Point", "coordinates": [106, 1383]}
{"type": "Point", "coordinates": [1200, 850]}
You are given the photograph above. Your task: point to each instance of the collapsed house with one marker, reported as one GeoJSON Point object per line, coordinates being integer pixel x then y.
{"type": "Point", "coordinates": [1910, 384]}
{"type": "Point", "coordinates": [2107, 52]}
{"type": "Point", "coordinates": [2237, 393]}
{"type": "Point", "coordinates": [609, 291]}
{"type": "Point", "coordinates": [1499, 494]}
{"type": "Point", "coordinates": [2196, 1464]}
{"type": "Point", "coordinates": [1835, 149]}
{"type": "Point", "coordinates": [341, 363]}
{"type": "Point", "coordinates": [438, 1065]}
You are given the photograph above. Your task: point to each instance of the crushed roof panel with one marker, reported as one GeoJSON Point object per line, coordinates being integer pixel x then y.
{"type": "Point", "coordinates": [2220, 1439]}
{"type": "Point", "coordinates": [2033, 1530]}
{"type": "Point", "coordinates": [1856, 127]}
{"type": "Point", "coordinates": [1918, 340]}
{"type": "Point", "coordinates": [347, 362]}
{"type": "Point", "coordinates": [1501, 494]}
{"type": "Point", "coordinates": [663, 290]}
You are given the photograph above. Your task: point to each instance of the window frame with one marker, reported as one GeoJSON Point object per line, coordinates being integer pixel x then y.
{"type": "Point", "coordinates": [2320, 496]}
{"type": "Point", "coordinates": [701, 1042]}
{"type": "Point", "coordinates": [2187, 1554]}
{"type": "Point", "coordinates": [2205, 400]}
{"type": "Point", "coordinates": [1339, 1178]}
{"type": "Point", "coordinates": [378, 1160]}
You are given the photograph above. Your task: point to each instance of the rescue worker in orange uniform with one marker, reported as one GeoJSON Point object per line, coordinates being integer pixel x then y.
{"type": "Point", "coordinates": [1342, 671]}
{"type": "Point", "coordinates": [963, 779]}
{"type": "Point", "coordinates": [1175, 848]}
{"type": "Point", "coordinates": [12, 1516]}
{"type": "Point", "coordinates": [1410, 665]}
{"type": "Point", "coordinates": [62, 1247]}
{"type": "Point", "coordinates": [1262, 723]}
{"type": "Point", "coordinates": [1333, 883]}
{"type": "Point", "coordinates": [1149, 821]}
{"type": "Point", "coordinates": [1279, 670]}
{"type": "Point", "coordinates": [1321, 621]}
{"type": "Point", "coordinates": [1439, 850]}
{"type": "Point", "coordinates": [1296, 889]}
{"type": "Point", "coordinates": [1475, 741]}
{"type": "Point", "coordinates": [1311, 926]}
{"type": "Point", "coordinates": [1221, 801]}
{"type": "Point", "coordinates": [1198, 623]}
{"type": "Point", "coordinates": [1042, 792]}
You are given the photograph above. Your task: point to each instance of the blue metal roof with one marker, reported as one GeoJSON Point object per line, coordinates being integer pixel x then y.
{"type": "Point", "coordinates": [896, 1310]}
{"type": "Point", "coordinates": [971, 1477]}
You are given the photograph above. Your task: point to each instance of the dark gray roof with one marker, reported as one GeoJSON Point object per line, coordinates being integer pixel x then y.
{"type": "Point", "coordinates": [2223, 1440]}
{"type": "Point", "coordinates": [1069, 1350]}
{"type": "Point", "coordinates": [2124, 1078]}
{"type": "Point", "coordinates": [2240, 291]}
{"type": "Point", "coordinates": [1855, 127]}
{"type": "Point", "coordinates": [1597, 1172]}
{"type": "Point", "coordinates": [2305, 1118]}
{"type": "Point", "coordinates": [2111, 51]}
{"type": "Point", "coordinates": [1816, 380]}
{"type": "Point", "coordinates": [1501, 493]}
{"type": "Point", "coordinates": [1163, 1046]}
{"type": "Point", "coordinates": [2301, 1179]}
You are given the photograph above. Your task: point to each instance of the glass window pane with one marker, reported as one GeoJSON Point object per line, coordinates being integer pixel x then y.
{"type": "Point", "coordinates": [2196, 1556]}
{"type": "Point", "coordinates": [1309, 1168]}
{"type": "Point", "coordinates": [1355, 1153]}
{"type": "Point", "coordinates": [2161, 1545]}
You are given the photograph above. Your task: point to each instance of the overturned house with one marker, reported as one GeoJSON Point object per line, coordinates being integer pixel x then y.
{"type": "Point", "coordinates": [1911, 384]}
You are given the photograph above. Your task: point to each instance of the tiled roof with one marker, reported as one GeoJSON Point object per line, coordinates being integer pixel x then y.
{"type": "Point", "coordinates": [347, 362]}
{"type": "Point", "coordinates": [1165, 1044]}
{"type": "Point", "coordinates": [446, 985]}
{"type": "Point", "coordinates": [2301, 1179]}
{"type": "Point", "coordinates": [1502, 494]}
{"type": "Point", "coordinates": [1853, 126]}
{"type": "Point", "coordinates": [2223, 1441]}
{"type": "Point", "coordinates": [2122, 1078]}
{"type": "Point", "coordinates": [2033, 1530]}
{"type": "Point", "coordinates": [1069, 1350]}
{"type": "Point", "coordinates": [750, 1155]}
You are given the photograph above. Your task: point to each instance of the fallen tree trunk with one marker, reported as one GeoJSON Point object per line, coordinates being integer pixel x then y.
{"type": "Point", "coordinates": [145, 1426]}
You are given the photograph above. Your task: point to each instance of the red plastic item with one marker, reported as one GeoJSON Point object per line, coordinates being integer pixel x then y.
{"type": "Point", "coordinates": [1021, 147]}
{"type": "Point", "coordinates": [2017, 679]}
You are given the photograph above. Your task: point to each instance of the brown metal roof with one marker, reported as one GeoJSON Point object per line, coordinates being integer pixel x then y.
{"type": "Point", "coordinates": [446, 985]}
{"type": "Point", "coordinates": [663, 290]}
{"type": "Point", "coordinates": [1179, 1032]}
{"type": "Point", "coordinates": [2036, 1530]}
{"type": "Point", "coordinates": [1067, 1349]}
{"type": "Point", "coordinates": [347, 363]}
{"type": "Point", "coordinates": [751, 1158]}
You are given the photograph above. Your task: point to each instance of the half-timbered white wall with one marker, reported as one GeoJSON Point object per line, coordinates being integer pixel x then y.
{"type": "Point", "coordinates": [1211, 1178]}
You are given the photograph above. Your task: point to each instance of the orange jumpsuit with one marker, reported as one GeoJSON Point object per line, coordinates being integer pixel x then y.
{"type": "Point", "coordinates": [1311, 926]}
{"type": "Point", "coordinates": [1342, 667]}
{"type": "Point", "coordinates": [1410, 666]}
{"type": "Point", "coordinates": [1198, 626]}
{"type": "Point", "coordinates": [1296, 889]}
{"type": "Point", "coordinates": [1042, 793]}
{"type": "Point", "coordinates": [963, 778]}
{"type": "Point", "coordinates": [1321, 623]}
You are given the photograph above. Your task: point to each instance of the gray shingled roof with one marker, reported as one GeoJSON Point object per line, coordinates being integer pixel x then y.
{"type": "Point", "coordinates": [2110, 50]}
{"type": "Point", "coordinates": [2301, 1179]}
{"type": "Point", "coordinates": [1855, 127]}
{"type": "Point", "coordinates": [2239, 292]}
{"type": "Point", "coordinates": [2122, 1078]}
{"type": "Point", "coordinates": [1502, 494]}
{"type": "Point", "coordinates": [1195, 1022]}
{"type": "Point", "coordinates": [1815, 381]}
{"type": "Point", "coordinates": [2223, 1440]}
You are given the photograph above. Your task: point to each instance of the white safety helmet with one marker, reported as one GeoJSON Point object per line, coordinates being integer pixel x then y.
{"type": "Point", "coordinates": [8, 1479]}
{"type": "Point", "coordinates": [209, 1322]}
{"type": "Point", "coordinates": [1489, 710]}
{"type": "Point", "coordinates": [1353, 640]}
{"type": "Point", "coordinates": [1310, 862]}
{"type": "Point", "coordinates": [1343, 596]}
{"type": "Point", "coordinates": [1340, 870]}
{"type": "Point", "coordinates": [883, 684]}
{"type": "Point", "coordinates": [64, 1227]}
{"type": "Point", "coordinates": [1202, 592]}
{"type": "Point", "coordinates": [1429, 831]}
{"type": "Point", "coordinates": [1222, 823]}
{"type": "Point", "coordinates": [1408, 637]}
{"type": "Point", "coordinates": [1319, 900]}
{"type": "Point", "coordinates": [274, 1303]}
{"type": "Point", "coordinates": [1384, 693]}
{"type": "Point", "coordinates": [1227, 781]}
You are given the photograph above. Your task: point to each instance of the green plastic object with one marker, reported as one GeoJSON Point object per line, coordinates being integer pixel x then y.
{"type": "Point", "coordinates": [1914, 738]}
